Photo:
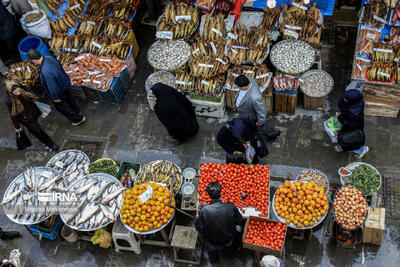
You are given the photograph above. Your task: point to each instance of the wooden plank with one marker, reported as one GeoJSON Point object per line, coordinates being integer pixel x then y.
{"type": "Point", "coordinates": [383, 91]}
{"type": "Point", "coordinates": [381, 113]}
{"type": "Point", "coordinates": [381, 99]}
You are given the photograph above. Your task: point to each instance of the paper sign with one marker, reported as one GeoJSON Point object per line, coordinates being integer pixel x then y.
{"type": "Point", "coordinates": [74, 50]}
{"type": "Point", "coordinates": [146, 194]}
{"type": "Point", "coordinates": [300, 6]}
{"type": "Point", "coordinates": [234, 51]}
{"type": "Point", "coordinates": [75, 6]}
{"type": "Point", "coordinates": [233, 36]}
{"type": "Point", "coordinates": [379, 19]}
{"type": "Point", "coordinates": [180, 82]}
{"type": "Point", "coordinates": [240, 47]}
{"type": "Point", "coordinates": [79, 58]}
{"type": "Point", "coordinates": [262, 76]}
{"type": "Point", "coordinates": [96, 45]}
{"type": "Point", "coordinates": [29, 69]}
{"type": "Point", "coordinates": [371, 35]}
{"type": "Point", "coordinates": [383, 50]}
{"type": "Point", "coordinates": [383, 74]}
{"type": "Point", "coordinates": [90, 22]}
{"type": "Point", "coordinates": [206, 65]}
{"type": "Point", "coordinates": [96, 82]}
{"type": "Point", "coordinates": [216, 31]}
{"type": "Point", "coordinates": [291, 33]}
{"type": "Point", "coordinates": [93, 72]}
{"type": "Point", "coordinates": [68, 72]}
{"type": "Point", "coordinates": [359, 67]}
{"type": "Point", "coordinates": [59, 164]}
{"type": "Point", "coordinates": [105, 59]}
{"type": "Point", "coordinates": [260, 40]}
{"type": "Point", "coordinates": [248, 71]}
{"type": "Point", "coordinates": [221, 60]}
{"type": "Point", "coordinates": [46, 174]}
{"type": "Point", "coordinates": [205, 82]}
{"type": "Point", "coordinates": [213, 48]}
{"type": "Point", "coordinates": [363, 59]}
{"type": "Point", "coordinates": [18, 69]}
{"type": "Point", "coordinates": [195, 51]}
{"type": "Point", "coordinates": [235, 74]}
{"type": "Point", "coordinates": [86, 80]}
{"type": "Point", "coordinates": [165, 35]}
{"type": "Point", "coordinates": [183, 17]}
{"type": "Point", "coordinates": [296, 28]}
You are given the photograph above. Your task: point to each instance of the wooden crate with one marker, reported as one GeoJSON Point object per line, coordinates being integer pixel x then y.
{"type": "Point", "coordinates": [266, 250]}
{"type": "Point", "coordinates": [268, 100]}
{"type": "Point", "coordinates": [374, 226]}
{"type": "Point", "coordinates": [381, 100]}
{"type": "Point", "coordinates": [380, 109]}
{"type": "Point", "coordinates": [313, 102]}
{"type": "Point", "coordinates": [285, 103]}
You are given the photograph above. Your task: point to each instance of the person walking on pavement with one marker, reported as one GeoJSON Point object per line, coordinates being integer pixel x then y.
{"type": "Point", "coordinates": [220, 223]}
{"type": "Point", "coordinates": [8, 36]}
{"type": "Point", "coordinates": [56, 84]}
{"type": "Point", "coordinates": [250, 105]}
{"type": "Point", "coordinates": [23, 111]}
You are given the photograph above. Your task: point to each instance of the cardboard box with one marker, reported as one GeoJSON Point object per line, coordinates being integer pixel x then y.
{"type": "Point", "coordinates": [374, 226]}
{"type": "Point", "coordinates": [266, 250]}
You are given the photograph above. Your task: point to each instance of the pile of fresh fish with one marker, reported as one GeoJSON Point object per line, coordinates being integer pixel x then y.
{"type": "Point", "coordinates": [316, 83]}
{"type": "Point", "coordinates": [292, 56]}
{"type": "Point", "coordinates": [168, 54]}
{"type": "Point", "coordinates": [160, 171]}
{"type": "Point", "coordinates": [73, 164]}
{"type": "Point", "coordinates": [29, 199]}
{"type": "Point", "coordinates": [99, 198]}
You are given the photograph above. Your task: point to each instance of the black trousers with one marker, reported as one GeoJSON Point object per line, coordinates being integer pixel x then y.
{"type": "Point", "coordinates": [34, 128]}
{"type": "Point", "coordinates": [154, 7]}
{"type": "Point", "coordinates": [228, 250]}
{"type": "Point", "coordinates": [68, 107]}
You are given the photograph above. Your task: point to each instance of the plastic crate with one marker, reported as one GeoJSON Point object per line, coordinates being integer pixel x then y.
{"type": "Point", "coordinates": [124, 165]}
{"type": "Point", "coordinates": [50, 233]}
{"type": "Point", "coordinates": [118, 88]}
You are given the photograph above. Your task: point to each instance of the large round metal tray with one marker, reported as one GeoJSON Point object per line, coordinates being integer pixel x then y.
{"type": "Point", "coordinates": [57, 157]}
{"type": "Point", "coordinates": [334, 215]}
{"type": "Point", "coordinates": [173, 67]}
{"type": "Point", "coordinates": [291, 225]}
{"type": "Point", "coordinates": [305, 66]}
{"type": "Point", "coordinates": [352, 166]}
{"type": "Point", "coordinates": [316, 172]}
{"type": "Point", "coordinates": [20, 180]}
{"type": "Point", "coordinates": [91, 177]}
{"type": "Point", "coordinates": [147, 83]}
{"type": "Point", "coordinates": [310, 72]}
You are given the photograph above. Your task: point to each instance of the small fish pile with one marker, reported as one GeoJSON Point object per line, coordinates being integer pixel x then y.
{"type": "Point", "coordinates": [270, 19]}
{"type": "Point", "coordinates": [292, 56]}
{"type": "Point", "coordinates": [33, 17]}
{"type": "Point", "coordinates": [28, 200]}
{"type": "Point", "coordinates": [286, 82]}
{"type": "Point", "coordinates": [93, 71]}
{"type": "Point", "coordinates": [53, 5]}
{"type": "Point", "coordinates": [374, 9]}
{"type": "Point", "coordinates": [168, 54]}
{"type": "Point", "coordinates": [24, 73]}
{"type": "Point", "coordinates": [100, 8]}
{"type": "Point", "coordinates": [379, 71]}
{"type": "Point", "coordinates": [163, 77]}
{"type": "Point", "coordinates": [100, 197]}
{"type": "Point", "coordinates": [210, 86]}
{"type": "Point", "coordinates": [185, 82]}
{"type": "Point", "coordinates": [179, 19]}
{"type": "Point", "coordinates": [91, 24]}
{"type": "Point", "coordinates": [160, 171]}
{"type": "Point", "coordinates": [383, 53]}
{"type": "Point", "coordinates": [316, 83]}
{"type": "Point", "coordinates": [213, 27]}
{"type": "Point", "coordinates": [203, 48]}
{"type": "Point", "coordinates": [123, 11]}
{"type": "Point", "coordinates": [260, 73]}
{"type": "Point", "coordinates": [73, 164]}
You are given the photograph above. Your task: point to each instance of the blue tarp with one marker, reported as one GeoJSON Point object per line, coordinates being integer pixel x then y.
{"type": "Point", "coordinates": [326, 6]}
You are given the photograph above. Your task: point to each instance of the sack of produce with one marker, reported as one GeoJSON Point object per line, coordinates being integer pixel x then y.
{"type": "Point", "coordinates": [36, 23]}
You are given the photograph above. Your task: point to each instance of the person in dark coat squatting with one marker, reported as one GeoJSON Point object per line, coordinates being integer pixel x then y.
{"type": "Point", "coordinates": [351, 116]}
{"type": "Point", "coordinates": [220, 223]}
{"type": "Point", "coordinates": [236, 135]}
{"type": "Point", "coordinates": [23, 111]}
{"type": "Point", "coordinates": [56, 84]}
{"type": "Point", "coordinates": [250, 105]}
{"type": "Point", "coordinates": [176, 112]}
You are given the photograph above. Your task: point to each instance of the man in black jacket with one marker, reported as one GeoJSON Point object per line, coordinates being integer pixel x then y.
{"type": "Point", "coordinates": [8, 36]}
{"type": "Point", "coordinates": [219, 223]}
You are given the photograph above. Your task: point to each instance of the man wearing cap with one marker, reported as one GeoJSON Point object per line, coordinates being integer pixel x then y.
{"type": "Point", "coordinates": [250, 105]}
{"type": "Point", "coordinates": [219, 223]}
{"type": "Point", "coordinates": [56, 83]}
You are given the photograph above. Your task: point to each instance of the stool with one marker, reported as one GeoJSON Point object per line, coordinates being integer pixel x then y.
{"type": "Point", "coordinates": [186, 238]}
{"type": "Point", "coordinates": [119, 232]}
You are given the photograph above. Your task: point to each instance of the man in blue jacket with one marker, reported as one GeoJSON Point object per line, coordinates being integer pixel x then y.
{"type": "Point", "coordinates": [56, 83]}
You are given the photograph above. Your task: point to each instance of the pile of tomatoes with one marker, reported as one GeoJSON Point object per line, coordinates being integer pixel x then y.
{"type": "Point", "coordinates": [243, 185]}
{"type": "Point", "coordinates": [267, 234]}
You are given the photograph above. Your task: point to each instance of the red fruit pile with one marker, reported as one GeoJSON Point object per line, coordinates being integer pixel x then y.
{"type": "Point", "coordinates": [267, 234]}
{"type": "Point", "coordinates": [243, 185]}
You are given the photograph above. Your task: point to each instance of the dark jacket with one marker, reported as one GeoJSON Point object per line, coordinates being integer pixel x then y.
{"type": "Point", "coordinates": [244, 128]}
{"type": "Point", "coordinates": [351, 111]}
{"type": "Point", "coordinates": [53, 77]}
{"type": "Point", "coordinates": [175, 111]}
{"type": "Point", "coordinates": [7, 24]}
{"type": "Point", "coordinates": [217, 222]}
{"type": "Point", "coordinates": [28, 116]}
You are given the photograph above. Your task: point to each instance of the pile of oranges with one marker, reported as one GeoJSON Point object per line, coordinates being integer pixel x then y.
{"type": "Point", "coordinates": [152, 214]}
{"type": "Point", "coordinates": [301, 203]}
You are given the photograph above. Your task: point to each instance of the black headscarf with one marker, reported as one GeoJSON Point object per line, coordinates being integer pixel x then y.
{"type": "Point", "coordinates": [175, 111]}
{"type": "Point", "coordinates": [354, 105]}
{"type": "Point", "coordinates": [214, 190]}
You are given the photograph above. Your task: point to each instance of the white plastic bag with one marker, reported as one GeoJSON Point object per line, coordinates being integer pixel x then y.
{"type": "Point", "coordinates": [39, 28]}
{"type": "Point", "coordinates": [44, 108]}
{"type": "Point", "coordinates": [250, 153]}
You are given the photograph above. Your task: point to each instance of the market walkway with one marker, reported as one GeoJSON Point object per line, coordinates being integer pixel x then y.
{"type": "Point", "coordinates": [131, 132]}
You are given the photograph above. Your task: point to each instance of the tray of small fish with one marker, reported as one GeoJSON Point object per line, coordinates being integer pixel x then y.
{"type": "Point", "coordinates": [160, 171]}
{"type": "Point", "coordinates": [168, 54]}
{"type": "Point", "coordinates": [30, 198]}
{"type": "Point", "coordinates": [98, 201]}
{"type": "Point", "coordinates": [73, 165]}
{"type": "Point", "coordinates": [316, 83]}
{"type": "Point", "coordinates": [292, 56]}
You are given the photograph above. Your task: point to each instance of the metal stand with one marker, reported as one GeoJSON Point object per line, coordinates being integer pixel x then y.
{"type": "Point", "coordinates": [166, 239]}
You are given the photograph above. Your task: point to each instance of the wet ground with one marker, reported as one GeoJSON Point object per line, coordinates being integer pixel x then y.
{"type": "Point", "coordinates": [131, 132]}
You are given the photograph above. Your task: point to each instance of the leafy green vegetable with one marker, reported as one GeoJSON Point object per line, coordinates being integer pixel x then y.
{"type": "Point", "coordinates": [364, 178]}
{"type": "Point", "coordinates": [103, 166]}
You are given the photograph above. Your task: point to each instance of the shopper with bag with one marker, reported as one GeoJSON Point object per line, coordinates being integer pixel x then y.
{"type": "Point", "coordinates": [24, 112]}
{"type": "Point", "coordinates": [241, 141]}
{"type": "Point", "coordinates": [351, 136]}
{"type": "Point", "coordinates": [56, 84]}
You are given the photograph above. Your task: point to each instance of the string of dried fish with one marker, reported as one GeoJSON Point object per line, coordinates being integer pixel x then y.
{"type": "Point", "coordinates": [24, 73]}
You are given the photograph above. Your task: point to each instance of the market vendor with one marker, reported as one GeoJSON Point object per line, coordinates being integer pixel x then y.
{"type": "Point", "coordinates": [235, 136]}
{"type": "Point", "coordinates": [220, 224]}
{"type": "Point", "coordinates": [250, 105]}
{"type": "Point", "coordinates": [176, 112]}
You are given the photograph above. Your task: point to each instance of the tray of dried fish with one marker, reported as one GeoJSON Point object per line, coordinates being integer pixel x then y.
{"type": "Point", "coordinates": [73, 165]}
{"type": "Point", "coordinates": [185, 82]}
{"type": "Point", "coordinates": [316, 83]}
{"type": "Point", "coordinates": [163, 77]}
{"type": "Point", "coordinates": [260, 73]}
{"type": "Point", "coordinates": [270, 19]}
{"type": "Point", "coordinates": [160, 171]}
{"type": "Point", "coordinates": [292, 56]}
{"type": "Point", "coordinates": [29, 199]}
{"type": "Point", "coordinates": [212, 27]}
{"type": "Point", "coordinates": [24, 73]}
{"type": "Point", "coordinates": [124, 11]}
{"type": "Point", "coordinates": [98, 203]}
{"type": "Point", "coordinates": [168, 54]}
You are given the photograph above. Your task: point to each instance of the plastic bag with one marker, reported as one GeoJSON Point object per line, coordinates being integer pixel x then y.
{"type": "Point", "coordinates": [44, 108]}
{"type": "Point", "coordinates": [101, 237]}
{"type": "Point", "coordinates": [15, 258]}
{"type": "Point", "coordinates": [39, 28]}
{"type": "Point", "coordinates": [250, 153]}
